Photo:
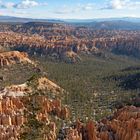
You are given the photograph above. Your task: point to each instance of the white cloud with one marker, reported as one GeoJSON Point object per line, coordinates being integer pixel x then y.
{"type": "Point", "coordinates": [117, 4]}
{"type": "Point", "coordinates": [24, 4]}
{"type": "Point", "coordinates": [65, 10]}
{"type": "Point", "coordinates": [7, 5]}
{"type": "Point", "coordinates": [122, 4]}
{"type": "Point", "coordinates": [78, 8]}
{"type": "Point", "coordinates": [87, 7]}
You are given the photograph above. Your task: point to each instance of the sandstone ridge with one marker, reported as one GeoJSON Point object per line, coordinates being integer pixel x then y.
{"type": "Point", "coordinates": [43, 84]}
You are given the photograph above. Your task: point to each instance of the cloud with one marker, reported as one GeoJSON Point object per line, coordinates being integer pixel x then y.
{"type": "Point", "coordinates": [7, 5]}
{"type": "Point", "coordinates": [86, 7]}
{"type": "Point", "coordinates": [78, 8]}
{"type": "Point", "coordinates": [24, 4]}
{"type": "Point", "coordinates": [117, 4]}
{"type": "Point", "coordinates": [64, 10]}
{"type": "Point", "coordinates": [122, 4]}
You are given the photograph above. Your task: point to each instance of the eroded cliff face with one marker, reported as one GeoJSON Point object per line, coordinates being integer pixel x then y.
{"type": "Point", "coordinates": [123, 125]}
{"type": "Point", "coordinates": [12, 107]}
{"type": "Point", "coordinates": [67, 48]}
{"type": "Point", "coordinates": [58, 49]}
{"type": "Point", "coordinates": [55, 40]}
{"type": "Point", "coordinates": [12, 115]}
{"type": "Point", "coordinates": [13, 57]}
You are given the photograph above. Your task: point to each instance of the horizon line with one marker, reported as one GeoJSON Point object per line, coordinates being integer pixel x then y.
{"type": "Point", "coordinates": [69, 18]}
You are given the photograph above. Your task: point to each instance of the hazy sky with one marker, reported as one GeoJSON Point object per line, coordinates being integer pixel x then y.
{"type": "Point", "coordinates": [70, 9]}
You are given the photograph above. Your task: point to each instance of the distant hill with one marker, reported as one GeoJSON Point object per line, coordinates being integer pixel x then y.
{"type": "Point", "coordinates": [108, 23]}
{"type": "Point", "coordinates": [114, 25]}
{"type": "Point", "coordinates": [25, 20]}
{"type": "Point", "coordinates": [128, 19]}
{"type": "Point", "coordinates": [20, 19]}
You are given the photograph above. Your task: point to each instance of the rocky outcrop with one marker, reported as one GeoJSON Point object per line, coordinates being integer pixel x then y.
{"type": "Point", "coordinates": [12, 115]}
{"type": "Point", "coordinates": [12, 106]}
{"type": "Point", "coordinates": [55, 40]}
{"type": "Point", "coordinates": [13, 57]}
{"type": "Point", "coordinates": [43, 84]}
{"type": "Point", "coordinates": [15, 90]}
{"type": "Point", "coordinates": [71, 57]}
{"type": "Point", "coordinates": [68, 47]}
{"type": "Point", "coordinates": [13, 100]}
{"type": "Point", "coordinates": [123, 125]}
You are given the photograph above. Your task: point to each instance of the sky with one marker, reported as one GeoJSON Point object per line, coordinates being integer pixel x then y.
{"type": "Point", "coordinates": [70, 9]}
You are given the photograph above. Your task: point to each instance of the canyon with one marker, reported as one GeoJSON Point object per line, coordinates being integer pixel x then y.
{"type": "Point", "coordinates": [88, 102]}
{"type": "Point", "coordinates": [124, 124]}
{"type": "Point", "coordinates": [56, 40]}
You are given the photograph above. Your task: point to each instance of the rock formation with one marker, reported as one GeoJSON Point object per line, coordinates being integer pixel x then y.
{"type": "Point", "coordinates": [12, 117]}
{"type": "Point", "coordinates": [55, 40]}
{"type": "Point", "coordinates": [42, 84]}
{"type": "Point", "coordinates": [13, 57]}
{"type": "Point", "coordinates": [71, 57]}
{"type": "Point", "coordinates": [12, 106]}
{"type": "Point", "coordinates": [123, 125]}
{"type": "Point", "coordinates": [63, 42]}
{"type": "Point", "coordinates": [46, 84]}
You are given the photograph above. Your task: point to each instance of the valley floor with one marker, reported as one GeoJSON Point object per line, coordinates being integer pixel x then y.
{"type": "Point", "coordinates": [93, 85]}
{"type": "Point", "coordinates": [93, 92]}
